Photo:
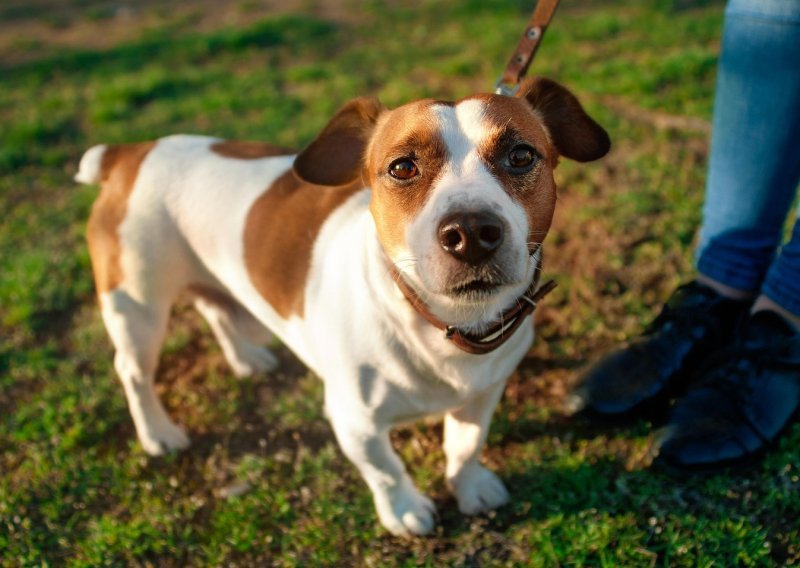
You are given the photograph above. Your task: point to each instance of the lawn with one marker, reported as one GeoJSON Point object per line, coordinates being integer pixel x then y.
{"type": "Point", "coordinates": [264, 482]}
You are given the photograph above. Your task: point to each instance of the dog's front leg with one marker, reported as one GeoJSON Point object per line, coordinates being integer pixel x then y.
{"type": "Point", "coordinates": [476, 488]}
{"type": "Point", "coordinates": [402, 509]}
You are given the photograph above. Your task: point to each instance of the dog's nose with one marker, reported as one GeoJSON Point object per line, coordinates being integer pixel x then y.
{"type": "Point", "coordinates": [471, 237]}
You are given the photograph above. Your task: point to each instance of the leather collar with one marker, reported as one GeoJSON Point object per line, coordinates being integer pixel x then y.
{"type": "Point", "coordinates": [497, 334]}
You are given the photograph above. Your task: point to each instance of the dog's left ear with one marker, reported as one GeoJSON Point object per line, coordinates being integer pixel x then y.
{"type": "Point", "coordinates": [335, 157]}
{"type": "Point", "coordinates": [573, 132]}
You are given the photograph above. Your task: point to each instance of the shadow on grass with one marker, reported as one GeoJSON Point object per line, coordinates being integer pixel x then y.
{"type": "Point", "coordinates": [556, 468]}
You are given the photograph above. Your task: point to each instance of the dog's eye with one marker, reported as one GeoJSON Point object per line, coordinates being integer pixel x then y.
{"type": "Point", "coordinates": [521, 157]}
{"type": "Point", "coordinates": [403, 169]}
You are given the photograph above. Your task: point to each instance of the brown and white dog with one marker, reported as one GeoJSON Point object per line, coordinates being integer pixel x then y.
{"type": "Point", "coordinates": [454, 198]}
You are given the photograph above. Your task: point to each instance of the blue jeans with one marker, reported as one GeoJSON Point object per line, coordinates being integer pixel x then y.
{"type": "Point", "coordinates": [754, 168]}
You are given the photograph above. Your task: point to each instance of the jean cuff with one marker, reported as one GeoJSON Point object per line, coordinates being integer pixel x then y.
{"type": "Point", "coordinates": [725, 274]}
{"type": "Point", "coordinates": [782, 284]}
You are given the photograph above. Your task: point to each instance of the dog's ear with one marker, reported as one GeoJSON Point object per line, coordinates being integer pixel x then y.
{"type": "Point", "coordinates": [335, 157]}
{"type": "Point", "coordinates": [573, 132]}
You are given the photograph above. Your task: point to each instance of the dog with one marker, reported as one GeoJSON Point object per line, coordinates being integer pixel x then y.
{"type": "Point", "coordinates": [391, 226]}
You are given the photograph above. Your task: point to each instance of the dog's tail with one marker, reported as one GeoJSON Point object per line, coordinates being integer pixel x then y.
{"type": "Point", "coordinates": [89, 169]}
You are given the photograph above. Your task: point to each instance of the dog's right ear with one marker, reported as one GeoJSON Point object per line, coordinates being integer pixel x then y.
{"type": "Point", "coordinates": [336, 156]}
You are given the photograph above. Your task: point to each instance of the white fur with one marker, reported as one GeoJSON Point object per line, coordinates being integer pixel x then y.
{"type": "Point", "coordinates": [89, 168]}
{"type": "Point", "coordinates": [382, 364]}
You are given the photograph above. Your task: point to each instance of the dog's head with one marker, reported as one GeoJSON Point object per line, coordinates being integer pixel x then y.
{"type": "Point", "coordinates": [462, 193]}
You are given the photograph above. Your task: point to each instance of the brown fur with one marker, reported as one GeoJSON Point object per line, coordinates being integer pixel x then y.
{"type": "Point", "coordinates": [279, 235]}
{"type": "Point", "coordinates": [340, 155]}
{"type": "Point", "coordinates": [247, 150]}
{"type": "Point", "coordinates": [118, 170]}
{"type": "Point", "coordinates": [535, 190]}
{"type": "Point", "coordinates": [394, 204]}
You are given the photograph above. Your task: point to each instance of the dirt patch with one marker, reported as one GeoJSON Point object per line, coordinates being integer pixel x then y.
{"type": "Point", "coordinates": [658, 120]}
{"type": "Point", "coordinates": [32, 29]}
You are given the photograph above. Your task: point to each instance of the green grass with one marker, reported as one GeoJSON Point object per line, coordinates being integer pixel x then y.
{"type": "Point", "coordinates": [264, 482]}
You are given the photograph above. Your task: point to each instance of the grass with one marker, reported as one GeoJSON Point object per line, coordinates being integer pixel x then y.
{"type": "Point", "coordinates": [264, 482]}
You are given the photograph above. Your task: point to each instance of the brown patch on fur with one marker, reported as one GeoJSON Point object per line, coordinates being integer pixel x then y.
{"type": "Point", "coordinates": [413, 134]}
{"type": "Point", "coordinates": [119, 168]}
{"type": "Point", "coordinates": [248, 150]}
{"type": "Point", "coordinates": [508, 118]}
{"type": "Point", "coordinates": [512, 122]}
{"type": "Point", "coordinates": [279, 234]}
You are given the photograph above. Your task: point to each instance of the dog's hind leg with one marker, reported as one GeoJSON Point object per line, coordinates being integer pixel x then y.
{"type": "Point", "coordinates": [241, 336]}
{"type": "Point", "coordinates": [137, 331]}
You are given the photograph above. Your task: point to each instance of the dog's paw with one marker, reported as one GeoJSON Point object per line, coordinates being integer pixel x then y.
{"type": "Point", "coordinates": [406, 512]}
{"type": "Point", "coordinates": [478, 490]}
{"type": "Point", "coordinates": [251, 359]}
{"type": "Point", "coordinates": [167, 437]}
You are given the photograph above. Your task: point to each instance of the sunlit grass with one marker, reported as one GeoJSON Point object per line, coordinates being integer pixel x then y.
{"type": "Point", "coordinates": [265, 482]}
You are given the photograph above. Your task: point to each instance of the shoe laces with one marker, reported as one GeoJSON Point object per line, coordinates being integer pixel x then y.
{"type": "Point", "coordinates": [683, 316]}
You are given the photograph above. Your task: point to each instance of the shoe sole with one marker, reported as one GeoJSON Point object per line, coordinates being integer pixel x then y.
{"type": "Point", "coordinates": [725, 467]}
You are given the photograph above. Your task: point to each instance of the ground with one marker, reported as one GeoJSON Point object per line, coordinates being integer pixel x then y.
{"type": "Point", "coordinates": [264, 482]}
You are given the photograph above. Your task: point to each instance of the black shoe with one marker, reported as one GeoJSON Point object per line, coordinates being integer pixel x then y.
{"type": "Point", "coordinates": [657, 365]}
{"type": "Point", "coordinates": [750, 394]}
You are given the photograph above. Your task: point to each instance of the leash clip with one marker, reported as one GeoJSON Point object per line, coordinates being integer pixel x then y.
{"type": "Point", "coordinates": [501, 88]}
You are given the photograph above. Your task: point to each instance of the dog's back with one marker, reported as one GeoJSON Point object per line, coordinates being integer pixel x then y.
{"type": "Point", "coordinates": [162, 197]}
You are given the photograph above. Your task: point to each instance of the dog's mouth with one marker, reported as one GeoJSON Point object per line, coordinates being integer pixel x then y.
{"type": "Point", "coordinates": [477, 289]}
{"type": "Point", "coordinates": [477, 285]}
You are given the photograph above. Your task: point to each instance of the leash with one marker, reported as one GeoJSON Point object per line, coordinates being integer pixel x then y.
{"type": "Point", "coordinates": [508, 83]}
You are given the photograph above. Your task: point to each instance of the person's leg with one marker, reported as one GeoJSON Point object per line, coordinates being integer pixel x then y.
{"type": "Point", "coordinates": [753, 172]}
{"type": "Point", "coordinates": [765, 303]}
{"type": "Point", "coordinates": [755, 155]}
{"type": "Point", "coordinates": [746, 394]}
{"type": "Point", "coordinates": [781, 290]}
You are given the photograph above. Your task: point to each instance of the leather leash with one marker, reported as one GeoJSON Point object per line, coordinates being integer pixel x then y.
{"type": "Point", "coordinates": [508, 84]}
